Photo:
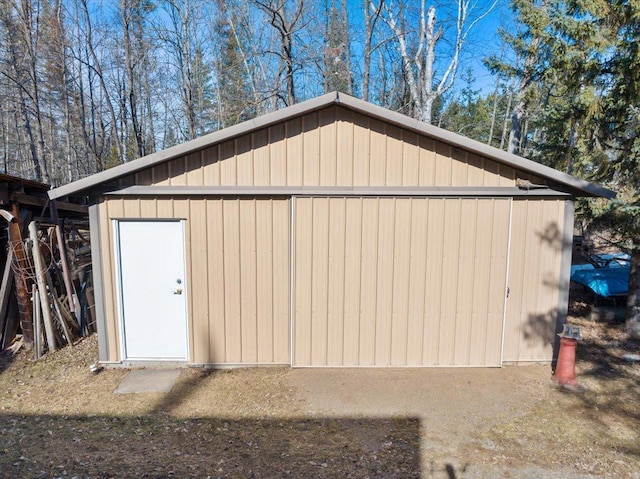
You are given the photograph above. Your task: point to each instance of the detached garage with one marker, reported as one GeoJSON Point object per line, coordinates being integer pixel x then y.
{"type": "Point", "coordinates": [330, 233]}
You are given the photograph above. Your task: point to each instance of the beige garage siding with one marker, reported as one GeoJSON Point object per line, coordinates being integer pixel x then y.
{"type": "Point", "coordinates": [399, 281]}
{"type": "Point", "coordinates": [330, 147]}
{"type": "Point", "coordinates": [534, 275]}
{"type": "Point", "coordinates": [238, 269]}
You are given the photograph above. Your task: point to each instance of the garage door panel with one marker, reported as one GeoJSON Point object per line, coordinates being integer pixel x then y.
{"type": "Point", "coordinates": [320, 281]}
{"type": "Point", "coordinates": [384, 292]}
{"type": "Point", "coordinates": [303, 245]}
{"type": "Point", "coordinates": [416, 278]}
{"type": "Point", "coordinates": [248, 290]}
{"type": "Point", "coordinates": [450, 260]}
{"type": "Point", "coordinates": [433, 288]}
{"type": "Point", "coordinates": [281, 282]}
{"type": "Point", "coordinates": [466, 269]}
{"type": "Point", "coordinates": [264, 271]}
{"type": "Point", "coordinates": [401, 272]}
{"type": "Point", "coordinates": [481, 281]}
{"type": "Point", "coordinates": [497, 281]}
{"type": "Point", "coordinates": [395, 282]}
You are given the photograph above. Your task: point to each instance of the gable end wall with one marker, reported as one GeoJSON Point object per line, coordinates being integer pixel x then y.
{"type": "Point", "coordinates": [356, 151]}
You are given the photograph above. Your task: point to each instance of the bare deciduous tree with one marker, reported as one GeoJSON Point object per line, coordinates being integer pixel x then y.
{"type": "Point", "coordinates": [284, 22]}
{"type": "Point", "coordinates": [418, 51]}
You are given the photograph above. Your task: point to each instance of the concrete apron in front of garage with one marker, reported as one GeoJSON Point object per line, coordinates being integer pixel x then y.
{"type": "Point", "coordinates": [148, 381]}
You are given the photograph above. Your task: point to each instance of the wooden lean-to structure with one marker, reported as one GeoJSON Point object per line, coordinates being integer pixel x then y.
{"type": "Point", "coordinates": [45, 294]}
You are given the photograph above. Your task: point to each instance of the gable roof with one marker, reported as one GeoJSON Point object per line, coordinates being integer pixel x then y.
{"type": "Point", "coordinates": [579, 186]}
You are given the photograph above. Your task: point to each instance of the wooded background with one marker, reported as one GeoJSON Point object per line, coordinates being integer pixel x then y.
{"type": "Point", "coordinates": [89, 84]}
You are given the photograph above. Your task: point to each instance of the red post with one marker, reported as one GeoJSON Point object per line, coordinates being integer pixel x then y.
{"type": "Point", "coordinates": [565, 374]}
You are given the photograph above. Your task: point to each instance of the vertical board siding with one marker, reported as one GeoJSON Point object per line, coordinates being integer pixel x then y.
{"type": "Point", "coordinates": [281, 258]}
{"type": "Point", "coordinates": [400, 281]}
{"type": "Point", "coordinates": [319, 280]}
{"type": "Point", "coordinates": [216, 283]}
{"type": "Point", "coordinates": [361, 150]}
{"type": "Point", "coordinates": [534, 269]}
{"type": "Point", "coordinates": [433, 269]}
{"type": "Point", "coordinates": [330, 147]}
{"type": "Point", "coordinates": [248, 289]}
{"type": "Point", "coordinates": [232, 281]}
{"type": "Point", "coordinates": [109, 282]}
{"type": "Point", "coordinates": [417, 278]}
{"type": "Point", "coordinates": [199, 290]}
{"type": "Point", "coordinates": [345, 148]}
{"type": "Point", "coordinates": [237, 254]}
{"type": "Point", "coordinates": [264, 276]}
{"type": "Point", "coordinates": [261, 157]}
{"type": "Point", "coordinates": [303, 265]}
{"type": "Point", "coordinates": [336, 284]}
{"type": "Point", "coordinates": [401, 286]}
{"type": "Point", "coordinates": [368, 277]}
{"type": "Point", "coordinates": [384, 286]}
{"type": "Point", "coordinates": [352, 281]}
{"type": "Point", "coordinates": [449, 278]}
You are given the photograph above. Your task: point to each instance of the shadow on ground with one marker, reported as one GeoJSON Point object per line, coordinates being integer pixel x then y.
{"type": "Point", "coordinates": [158, 446]}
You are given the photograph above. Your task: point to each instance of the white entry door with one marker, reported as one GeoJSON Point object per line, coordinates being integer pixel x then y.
{"type": "Point", "coordinates": [151, 263]}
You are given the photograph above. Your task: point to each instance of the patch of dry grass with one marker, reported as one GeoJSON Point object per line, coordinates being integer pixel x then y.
{"type": "Point", "coordinates": [596, 431]}
{"type": "Point", "coordinates": [57, 419]}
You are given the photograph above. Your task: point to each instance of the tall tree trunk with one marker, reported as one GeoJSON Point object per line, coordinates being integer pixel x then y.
{"type": "Point", "coordinates": [633, 298]}
{"type": "Point", "coordinates": [419, 59]}
{"type": "Point", "coordinates": [505, 123]}
{"type": "Point", "coordinates": [515, 135]}
{"type": "Point", "coordinates": [97, 68]}
{"type": "Point", "coordinates": [151, 142]}
{"type": "Point", "coordinates": [285, 28]}
{"type": "Point", "coordinates": [131, 93]}
{"type": "Point", "coordinates": [369, 21]}
{"type": "Point", "coordinates": [21, 63]}
{"type": "Point", "coordinates": [29, 131]}
{"type": "Point", "coordinates": [287, 49]}
{"type": "Point", "coordinates": [495, 110]}
{"type": "Point", "coordinates": [345, 15]}
{"type": "Point", "coordinates": [571, 144]}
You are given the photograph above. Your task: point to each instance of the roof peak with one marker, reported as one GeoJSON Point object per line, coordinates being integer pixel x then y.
{"type": "Point", "coordinates": [324, 101]}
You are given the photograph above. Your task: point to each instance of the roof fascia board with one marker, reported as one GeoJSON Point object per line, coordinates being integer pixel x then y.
{"type": "Point", "coordinates": [452, 191]}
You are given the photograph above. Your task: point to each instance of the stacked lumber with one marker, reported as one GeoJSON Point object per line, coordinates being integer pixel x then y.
{"type": "Point", "coordinates": [51, 267]}
{"type": "Point", "coordinates": [45, 266]}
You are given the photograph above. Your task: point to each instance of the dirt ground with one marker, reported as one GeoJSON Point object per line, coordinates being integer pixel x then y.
{"type": "Point", "coordinates": [57, 419]}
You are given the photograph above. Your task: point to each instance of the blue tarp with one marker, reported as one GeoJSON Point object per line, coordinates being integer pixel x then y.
{"type": "Point", "coordinates": [608, 281]}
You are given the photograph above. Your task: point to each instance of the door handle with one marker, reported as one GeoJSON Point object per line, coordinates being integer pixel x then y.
{"type": "Point", "coordinates": [178, 291]}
